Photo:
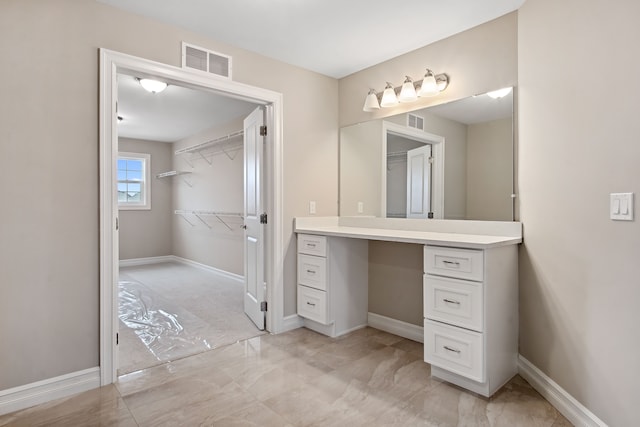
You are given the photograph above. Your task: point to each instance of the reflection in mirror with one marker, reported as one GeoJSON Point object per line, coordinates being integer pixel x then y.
{"type": "Point", "coordinates": [452, 161]}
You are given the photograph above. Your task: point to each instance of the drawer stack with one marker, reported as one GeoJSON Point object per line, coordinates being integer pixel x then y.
{"type": "Point", "coordinates": [470, 312]}
{"type": "Point", "coordinates": [312, 278]}
{"type": "Point", "coordinates": [333, 284]}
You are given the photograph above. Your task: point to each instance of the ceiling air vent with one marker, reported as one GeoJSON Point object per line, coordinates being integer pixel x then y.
{"type": "Point", "coordinates": [207, 61]}
{"type": "Point", "coordinates": [414, 121]}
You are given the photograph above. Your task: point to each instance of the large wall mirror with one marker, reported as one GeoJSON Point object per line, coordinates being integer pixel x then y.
{"type": "Point", "coordinates": [450, 161]}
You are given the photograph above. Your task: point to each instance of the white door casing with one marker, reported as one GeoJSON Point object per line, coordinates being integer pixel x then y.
{"type": "Point", "coordinates": [110, 64]}
{"type": "Point", "coordinates": [419, 182]}
{"type": "Point", "coordinates": [253, 211]}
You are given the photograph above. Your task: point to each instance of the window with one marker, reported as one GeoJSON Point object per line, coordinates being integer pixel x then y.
{"type": "Point", "coordinates": [134, 185]}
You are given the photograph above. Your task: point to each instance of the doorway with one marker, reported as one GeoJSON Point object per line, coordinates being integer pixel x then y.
{"type": "Point", "coordinates": [182, 155]}
{"type": "Point", "coordinates": [412, 173]}
{"type": "Point", "coordinates": [113, 63]}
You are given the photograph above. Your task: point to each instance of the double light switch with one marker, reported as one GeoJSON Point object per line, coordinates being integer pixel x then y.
{"type": "Point", "coordinates": [621, 206]}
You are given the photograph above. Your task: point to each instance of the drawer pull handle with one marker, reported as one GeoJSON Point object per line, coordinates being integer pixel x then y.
{"type": "Point", "coordinates": [455, 264]}
{"type": "Point", "coordinates": [450, 301]}
{"type": "Point", "coordinates": [311, 304]}
{"type": "Point", "coordinates": [311, 245]}
{"type": "Point", "coordinates": [311, 271]}
{"type": "Point", "coordinates": [446, 347]}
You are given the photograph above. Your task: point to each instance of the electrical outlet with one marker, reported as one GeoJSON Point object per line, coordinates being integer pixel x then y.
{"type": "Point", "coordinates": [360, 207]}
{"type": "Point", "coordinates": [312, 207]}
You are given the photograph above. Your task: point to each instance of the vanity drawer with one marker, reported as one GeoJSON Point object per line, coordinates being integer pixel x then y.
{"type": "Point", "coordinates": [312, 304]}
{"type": "Point", "coordinates": [450, 262]}
{"type": "Point", "coordinates": [312, 245]}
{"type": "Point", "coordinates": [312, 271]}
{"type": "Point", "coordinates": [454, 349]}
{"type": "Point", "coordinates": [453, 301]}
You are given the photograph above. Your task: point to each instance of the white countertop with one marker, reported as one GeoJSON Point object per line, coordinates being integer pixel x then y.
{"type": "Point", "coordinates": [465, 234]}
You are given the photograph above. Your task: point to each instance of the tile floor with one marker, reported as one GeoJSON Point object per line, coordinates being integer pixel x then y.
{"type": "Point", "coordinates": [298, 378]}
{"type": "Point", "coordinates": [172, 310]}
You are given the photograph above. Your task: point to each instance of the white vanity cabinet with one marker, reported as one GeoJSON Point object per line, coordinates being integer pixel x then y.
{"type": "Point", "coordinates": [471, 315]}
{"type": "Point", "coordinates": [333, 278]}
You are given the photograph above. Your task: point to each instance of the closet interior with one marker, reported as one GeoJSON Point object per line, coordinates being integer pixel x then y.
{"type": "Point", "coordinates": [181, 203]}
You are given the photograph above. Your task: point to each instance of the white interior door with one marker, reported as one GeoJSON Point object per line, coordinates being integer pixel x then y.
{"type": "Point", "coordinates": [419, 182]}
{"type": "Point", "coordinates": [254, 285]}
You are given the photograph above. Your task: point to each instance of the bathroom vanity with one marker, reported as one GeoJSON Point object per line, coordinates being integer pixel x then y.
{"type": "Point", "coordinates": [470, 289]}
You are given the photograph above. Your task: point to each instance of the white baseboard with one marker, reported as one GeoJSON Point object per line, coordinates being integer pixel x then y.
{"type": "Point", "coordinates": [17, 398]}
{"type": "Point", "coordinates": [397, 327]}
{"type": "Point", "coordinates": [134, 262]}
{"type": "Point", "coordinates": [568, 406]}
{"type": "Point", "coordinates": [292, 322]}
{"type": "Point", "coordinates": [232, 276]}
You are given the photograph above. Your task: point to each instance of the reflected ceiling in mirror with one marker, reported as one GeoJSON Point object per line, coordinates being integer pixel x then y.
{"type": "Point", "coordinates": [470, 175]}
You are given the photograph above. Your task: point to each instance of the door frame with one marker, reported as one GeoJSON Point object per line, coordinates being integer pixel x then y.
{"type": "Point", "coordinates": [111, 63]}
{"type": "Point", "coordinates": [437, 167]}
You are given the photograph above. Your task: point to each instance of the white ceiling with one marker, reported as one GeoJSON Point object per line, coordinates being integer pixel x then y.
{"type": "Point", "coordinates": [174, 114]}
{"type": "Point", "coordinates": [331, 37]}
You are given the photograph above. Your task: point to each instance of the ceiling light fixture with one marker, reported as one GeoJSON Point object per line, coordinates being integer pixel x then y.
{"type": "Point", "coordinates": [500, 93]}
{"type": "Point", "coordinates": [153, 86]}
{"type": "Point", "coordinates": [432, 84]}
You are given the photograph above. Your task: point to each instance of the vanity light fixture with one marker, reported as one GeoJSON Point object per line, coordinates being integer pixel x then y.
{"type": "Point", "coordinates": [432, 84]}
{"type": "Point", "coordinates": [389, 98]}
{"type": "Point", "coordinates": [152, 86]}
{"type": "Point", "coordinates": [408, 91]}
{"type": "Point", "coordinates": [500, 93]}
{"type": "Point", "coordinates": [371, 102]}
{"type": "Point", "coordinates": [429, 85]}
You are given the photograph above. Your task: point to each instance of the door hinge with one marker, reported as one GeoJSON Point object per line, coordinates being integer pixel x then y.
{"type": "Point", "coordinates": [430, 160]}
{"type": "Point", "coordinates": [263, 130]}
{"type": "Point", "coordinates": [263, 218]}
{"type": "Point", "coordinates": [430, 215]}
{"type": "Point", "coordinates": [117, 224]}
{"type": "Point", "coordinates": [263, 306]}
{"type": "Point", "coordinates": [117, 338]}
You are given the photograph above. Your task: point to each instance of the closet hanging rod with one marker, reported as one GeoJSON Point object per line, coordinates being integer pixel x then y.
{"type": "Point", "coordinates": [204, 212]}
{"type": "Point", "coordinates": [210, 143]}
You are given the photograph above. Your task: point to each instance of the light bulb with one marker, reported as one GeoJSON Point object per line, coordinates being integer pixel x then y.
{"type": "Point", "coordinates": [389, 98]}
{"type": "Point", "coordinates": [371, 102]}
{"type": "Point", "coordinates": [429, 86]}
{"type": "Point", "coordinates": [408, 91]}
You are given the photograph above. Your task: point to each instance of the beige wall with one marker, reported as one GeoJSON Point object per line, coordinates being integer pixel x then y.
{"type": "Point", "coordinates": [395, 281]}
{"type": "Point", "coordinates": [477, 60]}
{"type": "Point", "coordinates": [361, 168]}
{"type": "Point", "coordinates": [489, 170]}
{"type": "Point", "coordinates": [49, 140]}
{"type": "Point", "coordinates": [147, 233]}
{"type": "Point", "coordinates": [579, 271]}
{"type": "Point", "coordinates": [217, 187]}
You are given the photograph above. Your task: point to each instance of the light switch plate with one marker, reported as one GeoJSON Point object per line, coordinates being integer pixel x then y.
{"type": "Point", "coordinates": [621, 206]}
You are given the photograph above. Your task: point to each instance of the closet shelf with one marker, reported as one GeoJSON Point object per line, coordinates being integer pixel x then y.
{"type": "Point", "coordinates": [200, 213]}
{"type": "Point", "coordinates": [226, 144]}
{"type": "Point", "coordinates": [171, 173]}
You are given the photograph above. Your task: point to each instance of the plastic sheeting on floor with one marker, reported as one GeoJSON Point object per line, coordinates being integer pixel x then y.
{"type": "Point", "coordinates": [169, 332]}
